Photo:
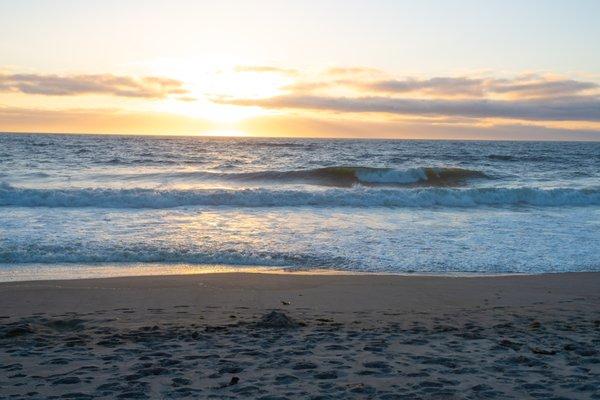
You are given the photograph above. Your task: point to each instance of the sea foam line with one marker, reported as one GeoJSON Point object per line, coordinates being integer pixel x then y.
{"type": "Point", "coordinates": [262, 197]}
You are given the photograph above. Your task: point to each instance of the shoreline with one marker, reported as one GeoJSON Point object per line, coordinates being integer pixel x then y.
{"type": "Point", "coordinates": [126, 270]}
{"type": "Point", "coordinates": [352, 291]}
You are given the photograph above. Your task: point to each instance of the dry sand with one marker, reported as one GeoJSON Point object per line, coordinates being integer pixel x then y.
{"type": "Point", "coordinates": [347, 336]}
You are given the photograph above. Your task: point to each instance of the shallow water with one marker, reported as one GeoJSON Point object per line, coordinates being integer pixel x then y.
{"type": "Point", "coordinates": [369, 206]}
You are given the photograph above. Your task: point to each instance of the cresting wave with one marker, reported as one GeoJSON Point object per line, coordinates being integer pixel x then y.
{"type": "Point", "coordinates": [442, 176]}
{"type": "Point", "coordinates": [335, 197]}
{"type": "Point", "coordinates": [350, 176]}
{"type": "Point", "coordinates": [329, 176]}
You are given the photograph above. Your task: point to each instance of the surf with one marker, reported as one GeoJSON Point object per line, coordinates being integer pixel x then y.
{"type": "Point", "coordinates": [339, 176]}
{"type": "Point", "coordinates": [264, 197]}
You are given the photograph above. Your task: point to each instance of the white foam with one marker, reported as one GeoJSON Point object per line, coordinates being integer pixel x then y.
{"type": "Point", "coordinates": [262, 197]}
{"type": "Point", "coordinates": [411, 175]}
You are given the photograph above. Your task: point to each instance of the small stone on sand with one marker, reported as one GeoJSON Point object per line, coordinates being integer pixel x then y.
{"type": "Point", "coordinates": [277, 319]}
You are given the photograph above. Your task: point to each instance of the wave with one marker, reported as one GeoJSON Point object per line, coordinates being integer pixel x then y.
{"type": "Point", "coordinates": [501, 157]}
{"type": "Point", "coordinates": [350, 176]}
{"type": "Point", "coordinates": [329, 176]}
{"type": "Point", "coordinates": [443, 176]}
{"type": "Point", "coordinates": [147, 253]}
{"type": "Point", "coordinates": [525, 158]}
{"type": "Point", "coordinates": [338, 197]}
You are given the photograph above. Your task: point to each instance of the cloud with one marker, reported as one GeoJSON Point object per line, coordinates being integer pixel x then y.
{"type": "Point", "coordinates": [525, 87]}
{"type": "Point", "coordinates": [581, 108]}
{"type": "Point", "coordinates": [542, 88]}
{"type": "Point", "coordinates": [337, 71]}
{"type": "Point", "coordinates": [304, 126]}
{"type": "Point", "coordinates": [438, 85]}
{"type": "Point", "coordinates": [14, 119]}
{"type": "Point", "coordinates": [266, 69]}
{"type": "Point", "coordinates": [303, 87]}
{"type": "Point", "coordinates": [103, 120]}
{"type": "Point", "coordinates": [149, 87]}
{"type": "Point", "coordinates": [373, 82]}
{"type": "Point", "coordinates": [187, 98]}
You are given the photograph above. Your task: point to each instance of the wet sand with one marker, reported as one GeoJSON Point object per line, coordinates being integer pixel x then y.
{"type": "Point", "coordinates": [332, 336]}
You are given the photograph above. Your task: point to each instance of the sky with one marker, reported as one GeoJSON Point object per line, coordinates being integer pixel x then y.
{"type": "Point", "coordinates": [516, 70]}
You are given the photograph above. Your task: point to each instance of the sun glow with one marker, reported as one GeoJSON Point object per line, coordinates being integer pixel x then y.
{"type": "Point", "coordinates": [217, 78]}
{"type": "Point", "coordinates": [225, 133]}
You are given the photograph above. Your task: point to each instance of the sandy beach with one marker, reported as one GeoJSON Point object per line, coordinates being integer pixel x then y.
{"type": "Point", "coordinates": [331, 336]}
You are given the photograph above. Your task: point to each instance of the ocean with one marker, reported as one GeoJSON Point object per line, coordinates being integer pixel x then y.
{"type": "Point", "coordinates": [90, 205]}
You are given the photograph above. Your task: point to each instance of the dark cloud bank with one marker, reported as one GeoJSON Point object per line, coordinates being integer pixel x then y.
{"type": "Point", "coordinates": [560, 109]}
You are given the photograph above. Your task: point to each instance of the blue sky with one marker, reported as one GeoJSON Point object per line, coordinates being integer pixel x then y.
{"type": "Point", "coordinates": [428, 36]}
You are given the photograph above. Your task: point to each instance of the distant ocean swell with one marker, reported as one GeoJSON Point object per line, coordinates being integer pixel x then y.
{"type": "Point", "coordinates": [264, 197]}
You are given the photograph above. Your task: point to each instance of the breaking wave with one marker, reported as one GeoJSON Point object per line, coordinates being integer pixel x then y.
{"type": "Point", "coordinates": [149, 253]}
{"type": "Point", "coordinates": [333, 197]}
{"type": "Point", "coordinates": [335, 176]}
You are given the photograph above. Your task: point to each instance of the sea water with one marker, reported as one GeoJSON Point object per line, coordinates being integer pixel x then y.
{"type": "Point", "coordinates": [73, 205]}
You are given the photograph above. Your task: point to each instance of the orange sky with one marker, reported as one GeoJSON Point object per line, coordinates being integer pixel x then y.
{"type": "Point", "coordinates": [187, 69]}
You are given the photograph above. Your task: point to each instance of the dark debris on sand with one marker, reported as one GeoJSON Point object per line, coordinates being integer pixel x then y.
{"type": "Point", "coordinates": [278, 320]}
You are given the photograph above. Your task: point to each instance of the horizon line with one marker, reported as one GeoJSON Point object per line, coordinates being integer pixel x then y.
{"type": "Point", "coordinates": [163, 136]}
